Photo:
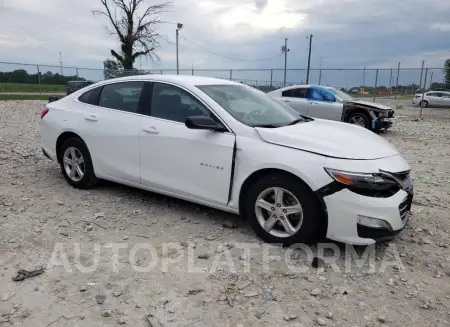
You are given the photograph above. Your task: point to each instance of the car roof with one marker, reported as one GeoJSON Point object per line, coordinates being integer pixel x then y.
{"type": "Point", "coordinates": [302, 86]}
{"type": "Point", "coordinates": [186, 80]}
{"type": "Point", "coordinates": [80, 82]}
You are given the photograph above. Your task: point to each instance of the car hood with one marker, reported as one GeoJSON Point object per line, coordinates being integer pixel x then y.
{"type": "Point", "coordinates": [369, 104]}
{"type": "Point", "coordinates": [331, 139]}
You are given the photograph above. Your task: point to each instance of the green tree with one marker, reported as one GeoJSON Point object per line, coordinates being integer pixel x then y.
{"type": "Point", "coordinates": [447, 72]}
{"type": "Point", "coordinates": [133, 22]}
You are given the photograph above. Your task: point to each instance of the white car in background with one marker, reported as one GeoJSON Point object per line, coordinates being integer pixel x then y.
{"type": "Point", "coordinates": [432, 99]}
{"type": "Point", "coordinates": [331, 103]}
{"type": "Point", "coordinates": [232, 147]}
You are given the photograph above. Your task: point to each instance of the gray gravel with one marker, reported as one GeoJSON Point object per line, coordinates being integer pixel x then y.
{"type": "Point", "coordinates": [39, 213]}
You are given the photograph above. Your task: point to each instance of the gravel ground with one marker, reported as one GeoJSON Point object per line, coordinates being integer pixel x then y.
{"type": "Point", "coordinates": [44, 222]}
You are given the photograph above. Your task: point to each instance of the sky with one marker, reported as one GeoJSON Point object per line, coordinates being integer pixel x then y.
{"type": "Point", "coordinates": [346, 34]}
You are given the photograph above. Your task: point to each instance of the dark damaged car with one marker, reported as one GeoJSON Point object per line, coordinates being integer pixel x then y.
{"type": "Point", "coordinates": [334, 104]}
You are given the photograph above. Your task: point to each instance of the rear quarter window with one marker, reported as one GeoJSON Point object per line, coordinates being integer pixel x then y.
{"type": "Point", "coordinates": [91, 96]}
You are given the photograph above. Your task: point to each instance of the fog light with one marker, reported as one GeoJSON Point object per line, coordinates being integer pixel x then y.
{"type": "Point", "coordinates": [373, 222]}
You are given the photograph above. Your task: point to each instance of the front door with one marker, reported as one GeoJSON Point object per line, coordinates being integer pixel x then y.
{"type": "Point", "coordinates": [322, 104]}
{"type": "Point", "coordinates": [194, 163]}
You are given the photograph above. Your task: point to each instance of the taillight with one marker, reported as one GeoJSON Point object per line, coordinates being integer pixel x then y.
{"type": "Point", "coordinates": [44, 112]}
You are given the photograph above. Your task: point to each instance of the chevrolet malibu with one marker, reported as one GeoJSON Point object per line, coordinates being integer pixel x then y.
{"type": "Point", "coordinates": [232, 147]}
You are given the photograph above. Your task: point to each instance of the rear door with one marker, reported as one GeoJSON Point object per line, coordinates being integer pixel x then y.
{"type": "Point", "coordinates": [445, 99]}
{"type": "Point", "coordinates": [109, 124]}
{"type": "Point", "coordinates": [296, 98]}
{"type": "Point", "coordinates": [322, 104]}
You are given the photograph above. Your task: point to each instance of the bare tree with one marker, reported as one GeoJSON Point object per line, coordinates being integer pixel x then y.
{"type": "Point", "coordinates": [133, 22]}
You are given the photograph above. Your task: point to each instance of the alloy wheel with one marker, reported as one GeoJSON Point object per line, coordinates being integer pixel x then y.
{"type": "Point", "coordinates": [279, 212]}
{"type": "Point", "coordinates": [74, 164]}
{"type": "Point", "coordinates": [357, 120]}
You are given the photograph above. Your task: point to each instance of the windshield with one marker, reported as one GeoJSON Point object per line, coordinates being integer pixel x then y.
{"type": "Point", "coordinates": [341, 94]}
{"type": "Point", "coordinates": [251, 106]}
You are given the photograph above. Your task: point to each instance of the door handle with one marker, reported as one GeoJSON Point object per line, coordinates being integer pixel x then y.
{"type": "Point", "coordinates": [287, 101]}
{"type": "Point", "coordinates": [91, 118]}
{"type": "Point", "coordinates": [150, 130]}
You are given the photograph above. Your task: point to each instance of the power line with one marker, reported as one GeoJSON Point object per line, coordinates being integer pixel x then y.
{"type": "Point", "coordinates": [226, 57]}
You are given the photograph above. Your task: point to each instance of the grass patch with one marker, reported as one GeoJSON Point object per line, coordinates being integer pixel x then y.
{"type": "Point", "coordinates": [22, 87]}
{"type": "Point", "coordinates": [23, 97]}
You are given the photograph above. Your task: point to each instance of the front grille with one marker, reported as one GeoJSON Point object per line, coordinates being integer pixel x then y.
{"type": "Point", "coordinates": [401, 175]}
{"type": "Point", "coordinates": [404, 208]}
{"type": "Point", "coordinates": [405, 180]}
{"type": "Point", "coordinates": [391, 113]}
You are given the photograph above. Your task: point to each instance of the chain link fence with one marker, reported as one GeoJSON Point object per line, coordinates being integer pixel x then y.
{"type": "Point", "coordinates": [365, 82]}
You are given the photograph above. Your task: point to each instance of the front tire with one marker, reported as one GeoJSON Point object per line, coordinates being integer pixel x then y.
{"type": "Point", "coordinates": [76, 164]}
{"type": "Point", "coordinates": [360, 119]}
{"type": "Point", "coordinates": [282, 209]}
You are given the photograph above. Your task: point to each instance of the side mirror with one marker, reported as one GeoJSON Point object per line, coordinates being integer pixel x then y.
{"type": "Point", "coordinates": [204, 122]}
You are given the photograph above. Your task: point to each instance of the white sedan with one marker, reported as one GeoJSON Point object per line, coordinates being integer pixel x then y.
{"type": "Point", "coordinates": [432, 99]}
{"type": "Point", "coordinates": [232, 147]}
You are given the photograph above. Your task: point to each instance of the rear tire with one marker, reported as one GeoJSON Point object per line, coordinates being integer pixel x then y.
{"type": "Point", "coordinates": [76, 164]}
{"type": "Point", "coordinates": [423, 103]}
{"type": "Point", "coordinates": [360, 119]}
{"type": "Point", "coordinates": [306, 223]}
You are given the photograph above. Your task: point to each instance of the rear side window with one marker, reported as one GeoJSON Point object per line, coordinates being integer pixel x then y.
{"type": "Point", "coordinates": [122, 96]}
{"type": "Point", "coordinates": [296, 93]}
{"type": "Point", "coordinates": [91, 96]}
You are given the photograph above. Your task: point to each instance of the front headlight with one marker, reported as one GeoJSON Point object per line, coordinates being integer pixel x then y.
{"type": "Point", "coordinates": [365, 183]}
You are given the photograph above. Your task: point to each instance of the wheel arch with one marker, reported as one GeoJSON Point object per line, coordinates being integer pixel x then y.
{"type": "Point", "coordinates": [355, 110]}
{"type": "Point", "coordinates": [63, 137]}
{"type": "Point", "coordinates": [258, 174]}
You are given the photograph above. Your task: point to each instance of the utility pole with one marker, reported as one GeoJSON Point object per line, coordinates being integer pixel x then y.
{"type": "Point", "coordinates": [320, 70]}
{"type": "Point", "coordinates": [285, 49]}
{"type": "Point", "coordinates": [431, 80]}
{"type": "Point", "coordinates": [309, 58]}
{"type": "Point", "coordinates": [421, 74]}
{"type": "Point", "coordinates": [423, 94]}
{"type": "Point", "coordinates": [179, 27]}
{"type": "Point", "coordinates": [390, 85]}
{"type": "Point", "coordinates": [60, 63]}
{"type": "Point", "coordinates": [376, 84]}
{"type": "Point", "coordinates": [396, 85]}
{"type": "Point", "coordinates": [364, 76]}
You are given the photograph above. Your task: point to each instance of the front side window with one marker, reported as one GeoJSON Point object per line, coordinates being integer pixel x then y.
{"type": "Point", "coordinates": [122, 96]}
{"type": "Point", "coordinates": [91, 96]}
{"type": "Point", "coordinates": [173, 103]}
{"type": "Point", "coordinates": [341, 96]}
{"type": "Point", "coordinates": [315, 94]}
{"type": "Point", "coordinates": [250, 106]}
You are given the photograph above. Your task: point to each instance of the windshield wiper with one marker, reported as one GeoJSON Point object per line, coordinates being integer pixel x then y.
{"type": "Point", "coordinates": [296, 121]}
{"type": "Point", "coordinates": [266, 125]}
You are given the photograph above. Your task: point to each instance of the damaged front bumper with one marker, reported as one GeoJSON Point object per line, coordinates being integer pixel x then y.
{"type": "Point", "coordinates": [381, 123]}
{"type": "Point", "coordinates": [381, 120]}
